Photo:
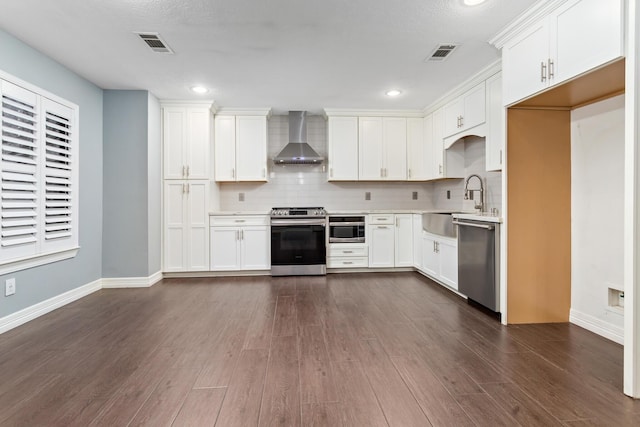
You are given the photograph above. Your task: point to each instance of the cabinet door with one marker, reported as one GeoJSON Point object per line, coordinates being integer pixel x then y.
{"type": "Point", "coordinates": [438, 144]}
{"type": "Point", "coordinates": [225, 248]}
{"type": "Point", "coordinates": [174, 142]}
{"type": "Point", "coordinates": [225, 148]}
{"type": "Point", "coordinates": [343, 148]}
{"type": "Point", "coordinates": [197, 199]}
{"type": "Point", "coordinates": [394, 130]}
{"type": "Point", "coordinates": [585, 34]}
{"type": "Point", "coordinates": [381, 246]}
{"type": "Point", "coordinates": [473, 103]}
{"type": "Point", "coordinates": [417, 241]}
{"type": "Point", "coordinates": [255, 250]}
{"type": "Point", "coordinates": [524, 62]}
{"type": "Point", "coordinates": [198, 142]}
{"type": "Point", "coordinates": [494, 143]}
{"type": "Point", "coordinates": [370, 148]}
{"type": "Point", "coordinates": [175, 226]}
{"type": "Point", "coordinates": [448, 253]}
{"type": "Point", "coordinates": [430, 258]}
{"type": "Point", "coordinates": [453, 112]}
{"type": "Point", "coordinates": [251, 148]}
{"type": "Point", "coordinates": [404, 240]}
{"type": "Point", "coordinates": [418, 157]}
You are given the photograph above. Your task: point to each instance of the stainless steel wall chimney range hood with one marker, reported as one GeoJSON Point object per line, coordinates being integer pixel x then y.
{"type": "Point", "coordinates": [297, 151]}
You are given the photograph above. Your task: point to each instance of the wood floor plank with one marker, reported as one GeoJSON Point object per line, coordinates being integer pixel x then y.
{"type": "Point", "coordinates": [165, 401]}
{"type": "Point", "coordinates": [317, 383]}
{"type": "Point", "coordinates": [519, 405]}
{"type": "Point", "coordinates": [480, 406]}
{"type": "Point", "coordinates": [359, 401]}
{"type": "Point", "coordinates": [200, 408]}
{"type": "Point", "coordinates": [398, 404]}
{"type": "Point", "coordinates": [435, 400]}
{"type": "Point", "coordinates": [285, 320]}
{"type": "Point", "coordinates": [323, 415]}
{"type": "Point", "coordinates": [281, 397]}
{"type": "Point", "coordinates": [261, 327]}
{"type": "Point", "coordinates": [241, 405]}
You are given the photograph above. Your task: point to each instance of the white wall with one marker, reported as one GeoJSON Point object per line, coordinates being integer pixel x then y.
{"type": "Point", "coordinates": [597, 206]}
{"type": "Point", "coordinates": [306, 185]}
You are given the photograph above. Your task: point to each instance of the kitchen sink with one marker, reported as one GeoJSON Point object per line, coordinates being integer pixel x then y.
{"type": "Point", "coordinates": [440, 223]}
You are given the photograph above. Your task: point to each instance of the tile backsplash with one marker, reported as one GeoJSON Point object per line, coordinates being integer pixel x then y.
{"type": "Point", "coordinates": [307, 185]}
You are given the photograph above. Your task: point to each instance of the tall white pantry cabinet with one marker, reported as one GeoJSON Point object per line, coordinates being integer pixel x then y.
{"type": "Point", "coordinates": [186, 134]}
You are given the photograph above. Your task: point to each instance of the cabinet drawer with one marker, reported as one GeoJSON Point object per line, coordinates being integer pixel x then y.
{"type": "Point", "coordinates": [347, 262]}
{"type": "Point", "coordinates": [348, 251]}
{"type": "Point", "coordinates": [381, 219]}
{"type": "Point", "coordinates": [238, 221]}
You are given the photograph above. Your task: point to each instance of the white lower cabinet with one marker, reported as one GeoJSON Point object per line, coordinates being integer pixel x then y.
{"type": "Point", "coordinates": [390, 240]}
{"type": "Point", "coordinates": [440, 259]}
{"type": "Point", "coordinates": [348, 255]}
{"type": "Point", "coordinates": [240, 243]}
{"type": "Point", "coordinates": [417, 241]}
{"type": "Point", "coordinates": [186, 238]}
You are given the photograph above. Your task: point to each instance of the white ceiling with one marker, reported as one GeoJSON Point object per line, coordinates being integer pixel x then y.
{"type": "Point", "coordinates": [284, 54]}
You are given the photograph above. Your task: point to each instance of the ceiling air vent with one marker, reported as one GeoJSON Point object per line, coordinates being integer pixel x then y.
{"type": "Point", "coordinates": [442, 52]}
{"type": "Point", "coordinates": [154, 41]}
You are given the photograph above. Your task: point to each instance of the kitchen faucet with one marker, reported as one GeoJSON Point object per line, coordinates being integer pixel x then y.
{"type": "Point", "coordinates": [479, 204]}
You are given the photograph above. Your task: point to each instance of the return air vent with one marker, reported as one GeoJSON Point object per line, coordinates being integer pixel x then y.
{"type": "Point", "coordinates": [156, 43]}
{"type": "Point", "coordinates": [442, 52]}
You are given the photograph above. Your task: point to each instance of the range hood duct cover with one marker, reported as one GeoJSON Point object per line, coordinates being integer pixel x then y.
{"type": "Point", "coordinates": [298, 151]}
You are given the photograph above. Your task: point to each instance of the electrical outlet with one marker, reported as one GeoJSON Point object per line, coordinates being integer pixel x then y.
{"type": "Point", "coordinates": [10, 287]}
{"type": "Point", "coordinates": [241, 197]}
{"type": "Point", "coordinates": [414, 195]}
{"type": "Point", "coordinates": [367, 195]}
{"type": "Point", "coordinates": [448, 194]}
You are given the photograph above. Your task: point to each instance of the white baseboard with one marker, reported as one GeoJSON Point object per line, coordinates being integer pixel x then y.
{"type": "Point", "coordinates": [23, 316]}
{"type": "Point", "coordinates": [131, 282]}
{"type": "Point", "coordinates": [597, 326]}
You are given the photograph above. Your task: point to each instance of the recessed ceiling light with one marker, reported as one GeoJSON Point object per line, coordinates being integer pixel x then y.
{"type": "Point", "coordinates": [199, 89]}
{"type": "Point", "coordinates": [393, 92]}
{"type": "Point", "coordinates": [473, 2]}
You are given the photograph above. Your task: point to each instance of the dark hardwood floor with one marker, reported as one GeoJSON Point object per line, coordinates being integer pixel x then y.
{"type": "Point", "coordinates": [342, 350]}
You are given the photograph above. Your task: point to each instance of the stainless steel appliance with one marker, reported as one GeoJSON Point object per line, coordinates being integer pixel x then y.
{"type": "Point", "coordinates": [478, 257]}
{"type": "Point", "coordinates": [346, 229]}
{"type": "Point", "coordinates": [298, 241]}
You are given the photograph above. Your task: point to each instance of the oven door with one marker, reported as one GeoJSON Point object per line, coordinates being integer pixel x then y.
{"type": "Point", "coordinates": [298, 242]}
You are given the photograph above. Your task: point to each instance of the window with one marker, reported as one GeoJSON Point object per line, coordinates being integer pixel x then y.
{"type": "Point", "coordinates": [38, 177]}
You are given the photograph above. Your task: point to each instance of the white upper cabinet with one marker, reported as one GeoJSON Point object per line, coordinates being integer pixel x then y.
{"type": "Point", "coordinates": [465, 112]}
{"type": "Point", "coordinates": [240, 147]}
{"type": "Point", "coordinates": [343, 148]}
{"type": "Point", "coordinates": [418, 156]}
{"type": "Point", "coordinates": [494, 143]}
{"type": "Point", "coordinates": [574, 38]}
{"type": "Point", "coordinates": [382, 148]}
{"type": "Point", "coordinates": [186, 138]}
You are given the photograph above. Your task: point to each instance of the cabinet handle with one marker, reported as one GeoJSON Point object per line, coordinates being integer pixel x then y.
{"type": "Point", "coordinates": [347, 262]}
{"type": "Point", "coordinates": [434, 246]}
{"type": "Point", "coordinates": [264, 172]}
{"type": "Point", "coordinates": [381, 173]}
{"type": "Point", "coordinates": [440, 169]}
{"type": "Point", "coordinates": [437, 247]}
{"type": "Point", "coordinates": [382, 219]}
{"type": "Point", "coordinates": [347, 252]}
{"type": "Point", "coordinates": [409, 173]}
{"type": "Point", "coordinates": [184, 171]}
{"type": "Point", "coordinates": [500, 156]}
{"type": "Point", "coordinates": [241, 234]}
{"type": "Point", "coordinates": [183, 190]}
{"type": "Point", "coordinates": [461, 121]}
{"type": "Point", "coordinates": [240, 220]}
{"type": "Point", "coordinates": [233, 172]}
{"type": "Point", "coordinates": [383, 226]}
{"type": "Point", "coordinates": [187, 171]}
{"type": "Point", "coordinates": [550, 69]}
{"type": "Point", "coordinates": [237, 234]}
{"type": "Point", "coordinates": [188, 188]}
{"type": "Point", "coordinates": [543, 72]}
{"type": "Point", "coordinates": [396, 221]}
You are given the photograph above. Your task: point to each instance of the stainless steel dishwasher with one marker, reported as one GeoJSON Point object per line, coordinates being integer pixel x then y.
{"type": "Point", "coordinates": [478, 258]}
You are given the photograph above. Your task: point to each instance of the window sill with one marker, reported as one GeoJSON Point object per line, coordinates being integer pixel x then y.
{"type": "Point", "coordinates": [37, 260]}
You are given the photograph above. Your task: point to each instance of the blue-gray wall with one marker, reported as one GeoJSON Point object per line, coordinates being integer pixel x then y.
{"type": "Point", "coordinates": [155, 185]}
{"type": "Point", "coordinates": [41, 283]}
{"type": "Point", "coordinates": [125, 240]}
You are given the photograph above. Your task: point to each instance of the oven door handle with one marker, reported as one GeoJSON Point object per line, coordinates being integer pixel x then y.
{"type": "Point", "coordinates": [346, 224]}
{"type": "Point", "coordinates": [321, 222]}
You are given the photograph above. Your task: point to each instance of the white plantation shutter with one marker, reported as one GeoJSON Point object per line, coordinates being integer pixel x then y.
{"type": "Point", "coordinates": [58, 171]}
{"type": "Point", "coordinates": [38, 177]}
{"type": "Point", "coordinates": [20, 180]}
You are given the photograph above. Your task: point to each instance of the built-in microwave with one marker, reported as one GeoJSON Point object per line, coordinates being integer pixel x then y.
{"type": "Point", "coordinates": [346, 229]}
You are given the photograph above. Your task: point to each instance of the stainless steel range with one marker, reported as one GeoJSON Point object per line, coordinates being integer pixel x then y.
{"type": "Point", "coordinates": [298, 241]}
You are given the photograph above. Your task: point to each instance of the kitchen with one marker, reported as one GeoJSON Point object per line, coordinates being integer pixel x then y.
{"type": "Point", "coordinates": [114, 266]}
